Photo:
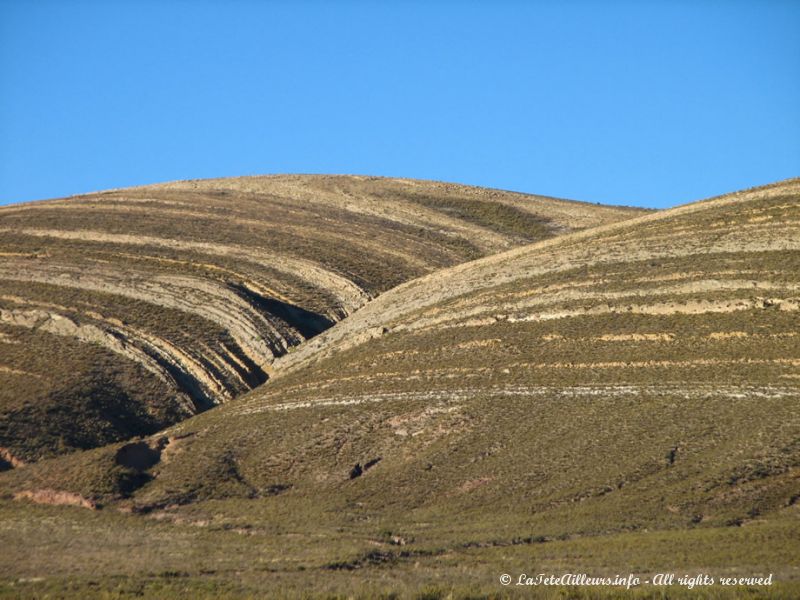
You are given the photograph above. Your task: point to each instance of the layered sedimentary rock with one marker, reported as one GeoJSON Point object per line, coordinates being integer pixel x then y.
{"type": "Point", "coordinates": [124, 311]}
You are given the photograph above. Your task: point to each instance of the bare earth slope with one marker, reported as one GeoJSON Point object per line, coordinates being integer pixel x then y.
{"type": "Point", "coordinates": [620, 398]}
{"type": "Point", "coordinates": [125, 311]}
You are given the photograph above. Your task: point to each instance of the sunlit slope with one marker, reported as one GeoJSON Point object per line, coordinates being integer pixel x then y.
{"type": "Point", "coordinates": [125, 311]}
{"type": "Point", "coordinates": [686, 253]}
{"type": "Point", "coordinates": [645, 374]}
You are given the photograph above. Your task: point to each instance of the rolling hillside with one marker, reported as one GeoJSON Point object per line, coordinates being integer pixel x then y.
{"type": "Point", "coordinates": [622, 398]}
{"type": "Point", "coordinates": [125, 311]}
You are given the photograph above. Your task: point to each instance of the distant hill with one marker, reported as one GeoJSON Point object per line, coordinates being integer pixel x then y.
{"type": "Point", "coordinates": [622, 397]}
{"type": "Point", "coordinates": [125, 311]}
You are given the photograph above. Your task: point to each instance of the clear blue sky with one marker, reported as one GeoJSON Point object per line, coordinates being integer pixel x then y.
{"type": "Point", "coordinates": [646, 103]}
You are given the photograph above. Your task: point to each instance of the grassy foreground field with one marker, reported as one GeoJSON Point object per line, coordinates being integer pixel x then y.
{"type": "Point", "coordinates": [167, 559]}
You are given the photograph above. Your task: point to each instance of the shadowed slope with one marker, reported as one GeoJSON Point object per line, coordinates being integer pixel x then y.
{"type": "Point", "coordinates": [125, 311]}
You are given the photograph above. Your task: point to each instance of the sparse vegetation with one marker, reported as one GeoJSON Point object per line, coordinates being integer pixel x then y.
{"type": "Point", "coordinates": [619, 400]}
{"type": "Point", "coordinates": [126, 311]}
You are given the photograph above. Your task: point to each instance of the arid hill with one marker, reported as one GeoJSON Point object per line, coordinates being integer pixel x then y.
{"type": "Point", "coordinates": [125, 311]}
{"type": "Point", "coordinates": [618, 399]}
